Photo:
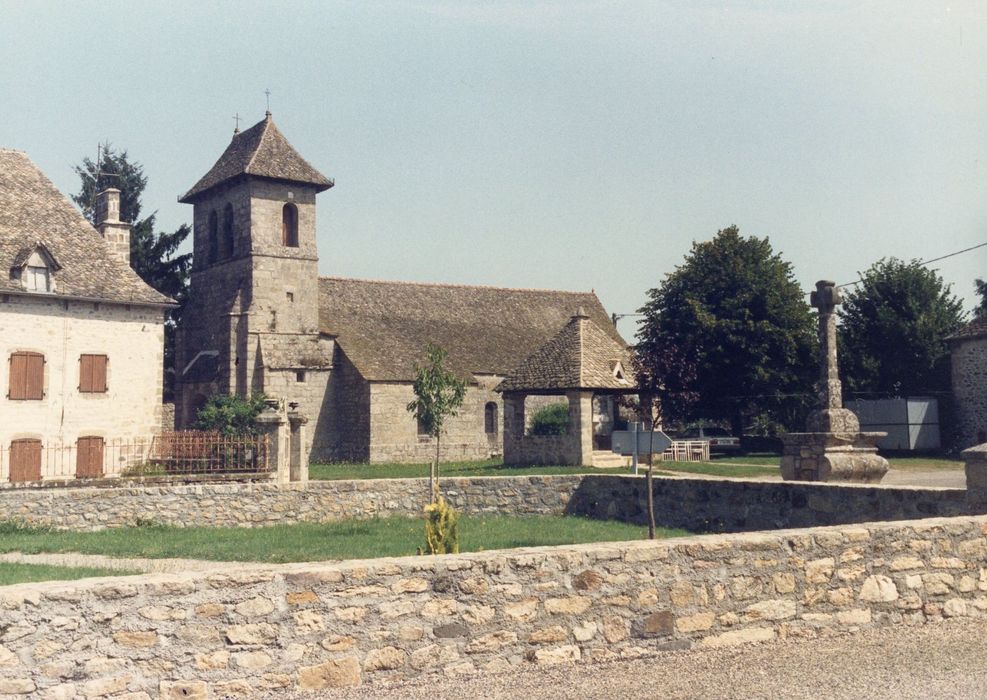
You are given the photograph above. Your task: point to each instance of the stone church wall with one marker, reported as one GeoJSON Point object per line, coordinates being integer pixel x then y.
{"type": "Point", "coordinates": [342, 432]}
{"type": "Point", "coordinates": [969, 360]}
{"type": "Point", "coordinates": [394, 431]}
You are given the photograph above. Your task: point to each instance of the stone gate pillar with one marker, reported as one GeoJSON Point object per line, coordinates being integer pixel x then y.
{"type": "Point", "coordinates": [272, 423]}
{"type": "Point", "coordinates": [298, 457]}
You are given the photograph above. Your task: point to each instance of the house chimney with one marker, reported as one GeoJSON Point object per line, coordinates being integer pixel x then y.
{"type": "Point", "coordinates": [115, 232]}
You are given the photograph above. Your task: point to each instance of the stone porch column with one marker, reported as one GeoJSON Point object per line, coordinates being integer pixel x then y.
{"type": "Point", "coordinates": [581, 427]}
{"type": "Point", "coordinates": [513, 428]}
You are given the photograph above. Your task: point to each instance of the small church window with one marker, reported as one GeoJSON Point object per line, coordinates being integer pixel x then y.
{"type": "Point", "coordinates": [289, 226]}
{"type": "Point", "coordinates": [213, 253]}
{"type": "Point", "coordinates": [300, 376]}
{"type": "Point", "coordinates": [228, 235]}
{"type": "Point", "coordinates": [490, 418]}
{"type": "Point", "coordinates": [422, 428]}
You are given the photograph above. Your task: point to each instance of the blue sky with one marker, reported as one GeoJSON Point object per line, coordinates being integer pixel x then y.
{"type": "Point", "coordinates": [571, 145]}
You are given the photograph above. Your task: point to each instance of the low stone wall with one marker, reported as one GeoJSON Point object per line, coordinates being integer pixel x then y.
{"type": "Point", "coordinates": [699, 505]}
{"type": "Point", "coordinates": [261, 630]}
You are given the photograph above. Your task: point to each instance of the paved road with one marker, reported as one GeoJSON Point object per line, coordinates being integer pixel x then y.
{"type": "Point", "coordinates": [936, 660]}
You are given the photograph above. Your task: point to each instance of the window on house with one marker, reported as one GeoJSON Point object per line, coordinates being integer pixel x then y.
{"type": "Point", "coordinates": [228, 237]}
{"type": "Point", "coordinates": [36, 279]}
{"type": "Point", "coordinates": [289, 226]}
{"type": "Point", "coordinates": [490, 418]}
{"type": "Point", "coordinates": [89, 457]}
{"type": "Point", "coordinates": [25, 460]}
{"type": "Point", "coordinates": [213, 253]}
{"type": "Point", "coordinates": [27, 376]}
{"type": "Point", "coordinates": [422, 428]}
{"type": "Point", "coordinates": [300, 376]}
{"type": "Point", "coordinates": [92, 374]}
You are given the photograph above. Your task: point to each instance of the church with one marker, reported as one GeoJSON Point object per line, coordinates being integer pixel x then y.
{"type": "Point", "coordinates": [342, 352]}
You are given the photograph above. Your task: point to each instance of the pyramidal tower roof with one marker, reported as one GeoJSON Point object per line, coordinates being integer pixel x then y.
{"type": "Point", "coordinates": [581, 356]}
{"type": "Point", "coordinates": [262, 151]}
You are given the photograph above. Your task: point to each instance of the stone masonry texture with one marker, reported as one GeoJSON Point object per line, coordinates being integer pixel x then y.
{"type": "Point", "coordinates": [261, 630]}
{"type": "Point", "coordinates": [699, 505]}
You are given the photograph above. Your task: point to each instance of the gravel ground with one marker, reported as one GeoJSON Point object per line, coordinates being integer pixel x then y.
{"type": "Point", "coordinates": [937, 660]}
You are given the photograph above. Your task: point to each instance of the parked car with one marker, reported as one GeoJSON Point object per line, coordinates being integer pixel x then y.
{"type": "Point", "coordinates": [719, 439]}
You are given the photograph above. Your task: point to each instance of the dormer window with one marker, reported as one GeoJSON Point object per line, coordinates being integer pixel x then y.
{"type": "Point", "coordinates": [35, 267]}
{"type": "Point", "coordinates": [37, 279]}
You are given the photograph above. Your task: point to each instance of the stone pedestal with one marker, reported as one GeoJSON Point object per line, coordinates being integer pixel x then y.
{"type": "Point", "coordinates": [847, 456]}
{"type": "Point", "coordinates": [832, 448]}
{"type": "Point", "coordinates": [976, 477]}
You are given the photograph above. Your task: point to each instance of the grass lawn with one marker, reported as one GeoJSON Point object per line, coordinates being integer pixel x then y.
{"type": "Point", "coordinates": [495, 467]}
{"type": "Point", "coordinates": [352, 539]}
{"type": "Point", "coordinates": [924, 463]}
{"type": "Point", "coordinates": [11, 573]}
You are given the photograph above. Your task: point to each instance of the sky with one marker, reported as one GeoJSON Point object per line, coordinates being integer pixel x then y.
{"type": "Point", "coordinates": [565, 145]}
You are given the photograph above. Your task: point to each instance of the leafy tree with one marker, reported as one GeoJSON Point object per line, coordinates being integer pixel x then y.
{"type": "Point", "coordinates": [894, 328]}
{"type": "Point", "coordinates": [230, 415]}
{"type": "Point", "coordinates": [728, 335]}
{"type": "Point", "coordinates": [550, 420]}
{"type": "Point", "coordinates": [439, 394]}
{"type": "Point", "coordinates": [154, 256]}
{"type": "Point", "coordinates": [981, 286]}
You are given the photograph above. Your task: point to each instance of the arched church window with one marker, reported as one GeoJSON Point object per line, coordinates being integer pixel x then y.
{"type": "Point", "coordinates": [213, 253]}
{"type": "Point", "coordinates": [289, 226]}
{"type": "Point", "coordinates": [228, 238]}
{"type": "Point", "coordinates": [490, 418]}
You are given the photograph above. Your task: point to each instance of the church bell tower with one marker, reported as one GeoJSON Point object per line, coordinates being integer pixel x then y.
{"type": "Point", "coordinates": [252, 320]}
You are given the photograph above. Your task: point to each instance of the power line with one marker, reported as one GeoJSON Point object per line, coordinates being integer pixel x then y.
{"type": "Point", "coordinates": [922, 262]}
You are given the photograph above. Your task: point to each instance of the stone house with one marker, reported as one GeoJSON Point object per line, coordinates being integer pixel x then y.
{"type": "Point", "coordinates": [340, 352]}
{"type": "Point", "coordinates": [81, 335]}
{"type": "Point", "coordinates": [968, 348]}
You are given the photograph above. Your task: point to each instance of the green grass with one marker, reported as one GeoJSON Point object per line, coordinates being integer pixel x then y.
{"type": "Point", "coordinates": [717, 468]}
{"type": "Point", "coordinates": [925, 463]}
{"type": "Point", "coordinates": [755, 458]}
{"type": "Point", "coordinates": [730, 466]}
{"type": "Point", "coordinates": [351, 539]}
{"type": "Point", "coordinates": [11, 573]}
{"type": "Point", "coordinates": [487, 467]}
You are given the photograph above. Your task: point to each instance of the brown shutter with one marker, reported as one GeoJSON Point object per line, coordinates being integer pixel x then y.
{"type": "Point", "coordinates": [27, 376]}
{"type": "Point", "coordinates": [18, 376]}
{"type": "Point", "coordinates": [99, 373]}
{"type": "Point", "coordinates": [92, 373]}
{"type": "Point", "coordinates": [25, 460]}
{"type": "Point", "coordinates": [89, 457]}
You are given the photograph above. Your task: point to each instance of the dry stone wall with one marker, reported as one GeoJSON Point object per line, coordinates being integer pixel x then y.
{"type": "Point", "coordinates": [969, 376]}
{"type": "Point", "coordinates": [265, 630]}
{"type": "Point", "coordinates": [701, 505]}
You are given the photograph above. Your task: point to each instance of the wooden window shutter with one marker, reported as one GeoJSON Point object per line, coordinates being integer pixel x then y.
{"type": "Point", "coordinates": [25, 460]}
{"type": "Point", "coordinates": [92, 373]}
{"type": "Point", "coordinates": [89, 457]}
{"type": "Point", "coordinates": [27, 376]}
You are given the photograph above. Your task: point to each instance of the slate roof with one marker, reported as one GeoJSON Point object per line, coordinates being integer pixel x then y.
{"type": "Point", "coordinates": [34, 213]}
{"type": "Point", "coordinates": [262, 151]}
{"type": "Point", "coordinates": [383, 327]}
{"type": "Point", "coordinates": [581, 356]}
{"type": "Point", "coordinates": [977, 328]}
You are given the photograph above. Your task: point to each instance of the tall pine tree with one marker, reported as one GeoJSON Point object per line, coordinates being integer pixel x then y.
{"type": "Point", "coordinates": [153, 255]}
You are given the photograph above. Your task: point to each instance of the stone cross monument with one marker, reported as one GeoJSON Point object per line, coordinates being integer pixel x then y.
{"type": "Point", "coordinates": [832, 448]}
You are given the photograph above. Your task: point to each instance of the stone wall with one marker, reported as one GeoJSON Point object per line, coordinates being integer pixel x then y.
{"type": "Point", "coordinates": [394, 431]}
{"type": "Point", "coordinates": [265, 630]}
{"type": "Point", "coordinates": [700, 505]}
{"type": "Point", "coordinates": [132, 338]}
{"type": "Point", "coordinates": [969, 367]}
